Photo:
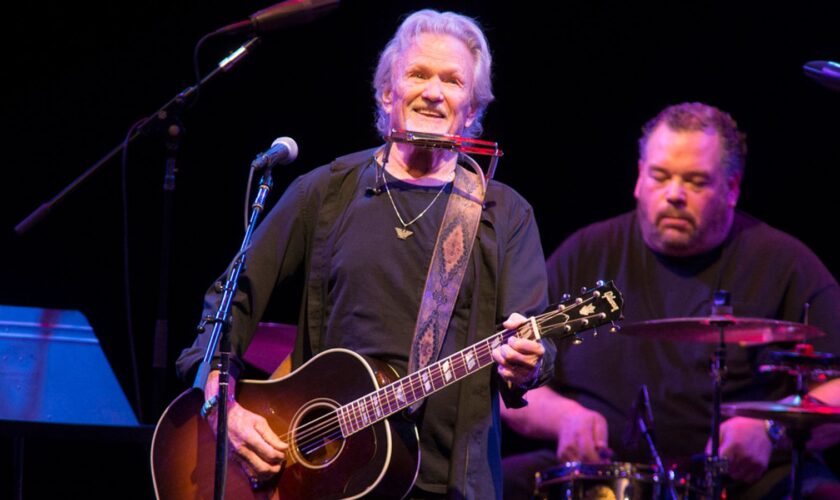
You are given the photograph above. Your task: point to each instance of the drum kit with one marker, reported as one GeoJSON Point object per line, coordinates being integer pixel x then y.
{"type": "Point", "coordinates": [797, 415]}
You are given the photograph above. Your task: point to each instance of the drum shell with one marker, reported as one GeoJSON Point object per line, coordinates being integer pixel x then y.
{"type": "Point", "coordinates": [617, 480]}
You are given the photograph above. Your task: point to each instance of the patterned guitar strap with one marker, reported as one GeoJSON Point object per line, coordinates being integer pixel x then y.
{"type": "Point", "coordinates": [449, 263]}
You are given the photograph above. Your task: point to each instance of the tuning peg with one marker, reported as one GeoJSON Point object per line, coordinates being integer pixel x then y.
{"type": "Point", "coordinates": [583, 289]}
{"type": "Point", "coordinates": [600, 283]}
{"type": "Point", "coordinates": [578, 340]}
{"type": "Point", "coordinates": [594, 332]}
{"type": "Point", "coordinates": [202, 325]}
{"type": "Point", "coordinates": [614, 328]}
{"type": "Point", "coordinates": [565, 297]}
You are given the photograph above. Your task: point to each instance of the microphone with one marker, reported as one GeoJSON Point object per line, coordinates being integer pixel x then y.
{"type": "Point", "coordinates": [284, 150]}
{"type": "Point", "coordinates": [643, 401]}
{"type": "Point", "coordinates": [282, 15]}
{"type": "Point", "coordinates": [826, 73]}
{"type": "Point", "coordinates": [640, 422]}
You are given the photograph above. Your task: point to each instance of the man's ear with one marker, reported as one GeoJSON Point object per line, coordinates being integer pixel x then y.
{"type": "Point", "coordinates": [470, 117]}
{"type": "Point", "coordinates": [638, 187]}
{"type": "Point", "coordinates": [734, 185]}
{"type": "Point", "coordinates": [387, 100]}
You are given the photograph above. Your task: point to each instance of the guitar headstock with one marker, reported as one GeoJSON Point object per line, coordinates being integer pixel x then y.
{"type": "Point", "coordinates": [592, 308]}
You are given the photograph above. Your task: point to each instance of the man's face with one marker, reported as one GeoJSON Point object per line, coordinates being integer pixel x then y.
{"type": "Point", "coordinates": [431, 87]}
{"type": "Point", "coordinates": [685, 199]}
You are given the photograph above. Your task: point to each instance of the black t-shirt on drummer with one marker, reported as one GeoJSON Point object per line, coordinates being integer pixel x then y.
{"type": "Point", "coordinates": [769, 274]}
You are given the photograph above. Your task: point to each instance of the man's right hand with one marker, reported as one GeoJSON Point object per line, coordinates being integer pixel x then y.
{"type": "Point", "coordinates": [250, 439]}
{"type": "Point", "coordinates": [582, 435]}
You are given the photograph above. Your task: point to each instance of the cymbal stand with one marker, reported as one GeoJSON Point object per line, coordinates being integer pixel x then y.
{"type": "Point", "coordinates": [804, 364]}
{"type": "Point", "coordinates": [715, 465]}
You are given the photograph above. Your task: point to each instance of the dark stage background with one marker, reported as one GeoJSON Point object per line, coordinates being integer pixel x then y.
{"type": "Point", "coordinates": [574, 81]}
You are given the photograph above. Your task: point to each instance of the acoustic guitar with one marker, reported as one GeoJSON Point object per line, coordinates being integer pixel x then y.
{"type": "Point", "coordinates": [341, 414]}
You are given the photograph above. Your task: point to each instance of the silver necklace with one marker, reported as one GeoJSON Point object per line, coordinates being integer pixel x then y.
{"type": "Point", "coordinates": [402, 232]}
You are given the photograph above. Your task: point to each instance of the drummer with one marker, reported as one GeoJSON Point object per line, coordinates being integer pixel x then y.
{"type": "Point", "coordinates": [684, 241]}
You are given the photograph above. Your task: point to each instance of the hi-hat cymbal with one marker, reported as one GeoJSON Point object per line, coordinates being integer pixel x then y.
{"type": "Point", "coordinates": [803, 360]}
{"type": "Point", "coordinates": [802, 416]}
{"type": "Point", "coordinates": [743, 331]}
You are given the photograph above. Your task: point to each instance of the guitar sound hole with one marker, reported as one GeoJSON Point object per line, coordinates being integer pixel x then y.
{"type": "Point", "coordinates": [317, 436]}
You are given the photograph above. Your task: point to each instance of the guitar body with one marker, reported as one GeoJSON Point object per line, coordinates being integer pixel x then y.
{"type": "Point", "coordinates": [381, 460]}
{"type": "Point", "coordinates": [335, 394]}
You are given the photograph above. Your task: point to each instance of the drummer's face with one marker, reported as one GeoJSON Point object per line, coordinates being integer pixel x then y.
{"type": "Point", "coordinates": [685, 199]}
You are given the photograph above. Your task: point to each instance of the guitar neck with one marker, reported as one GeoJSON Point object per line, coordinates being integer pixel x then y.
{"type": "Point", "coordinates": [596, 307]}
{"type": "Point", "coordinates": [401, 394]}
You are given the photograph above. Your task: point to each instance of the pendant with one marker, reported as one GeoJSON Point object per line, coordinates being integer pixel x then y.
{"type": "Point", "coordinates": [403, 233]}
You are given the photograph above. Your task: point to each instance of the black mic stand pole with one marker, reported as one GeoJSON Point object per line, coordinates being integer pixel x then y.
{"type": "Point", "coordinates": [220, 338]}
{"type": "Point", "coordinates": [161, 336]}
{"type": "Point", "coordinates": [161, 114]}
{"type": "Point", "coordinates": [167, 114]}
{"type": "Point", "coordinates": [668, 480]}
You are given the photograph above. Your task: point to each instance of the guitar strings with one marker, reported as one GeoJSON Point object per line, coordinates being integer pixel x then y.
{"type": "Point", "coordinates": [389, 402]}
{"type": "Point", "coordinates": [326, 429]}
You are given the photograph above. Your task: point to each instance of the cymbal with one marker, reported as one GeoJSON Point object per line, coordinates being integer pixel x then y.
{"type": "Point", "coordinates": [806, 357]}
{"type": "Point", "coordinates": [804, 415]}
{"type": "Point", "coordinates": [803, 361]}
{"type": "Point", "coordinates": [742, 331]}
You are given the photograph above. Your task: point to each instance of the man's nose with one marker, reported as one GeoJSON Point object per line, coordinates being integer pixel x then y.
{"type": "Point", "coordinates": [675, 191]}
{"type": "Point", "coordinates": [433, 90]}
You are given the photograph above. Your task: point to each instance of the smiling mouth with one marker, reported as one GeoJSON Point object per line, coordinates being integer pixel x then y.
{"type": "Point", "coordinates": [429, 113]}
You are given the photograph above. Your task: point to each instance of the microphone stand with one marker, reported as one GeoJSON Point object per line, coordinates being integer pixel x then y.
{"type": "Point", "coordinates": [644, 423]}
{"type": "Point", "coordinates": [168, 114]}
{"type": "Point", "coordinates": [220, 338]}
{"type": "Point", "coordinates": [145, 124]}
{"type": "Point", "coordinates": [159, 354]}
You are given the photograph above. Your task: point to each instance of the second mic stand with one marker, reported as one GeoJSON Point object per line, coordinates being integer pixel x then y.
{"type": "Point", "coordinates": [220, 337]}
{"type": "Point", "coordinates": [644, 424]}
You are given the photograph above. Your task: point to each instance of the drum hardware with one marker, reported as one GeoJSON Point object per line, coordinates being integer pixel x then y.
{"type": "Point", "coordinates": [803, 412]}
{"type": "Point", "coordinates": [723, 328]}
{"type": "Point", "coordinates": [744, 332]}
{"type": "Point", "coordinates": [616, 480]}
{"type": "Point", "coordinates": [804, 364]}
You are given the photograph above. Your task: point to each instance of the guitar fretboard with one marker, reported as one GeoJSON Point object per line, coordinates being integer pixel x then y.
{"type": "Point", "coordinates": [599, 305]}
{"type": "Point", "coordinates": [401, 394]}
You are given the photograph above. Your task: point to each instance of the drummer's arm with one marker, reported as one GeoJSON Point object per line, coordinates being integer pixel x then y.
{"type": "Point", "coordinates": [827, 435]}
{"type": "Point", "coordinates": [581, 434]}
{"type": "Point", "coordinates": [540, 418]}
{"type": "Point", "coordinates": [827, 392]}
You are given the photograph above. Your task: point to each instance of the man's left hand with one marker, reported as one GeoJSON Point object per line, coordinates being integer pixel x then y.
{"type": "Point", "coordinates": [744, 443]}
{"type": "Point", "coordinates": [519, 359]}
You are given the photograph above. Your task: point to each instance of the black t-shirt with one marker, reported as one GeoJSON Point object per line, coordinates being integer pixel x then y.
{"type": "Point", "coordinates": [769, 275]}
{"type": "Point", "coordinates": [506, 274]}
{"type": "Point", "coordinates": [361, 283]}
